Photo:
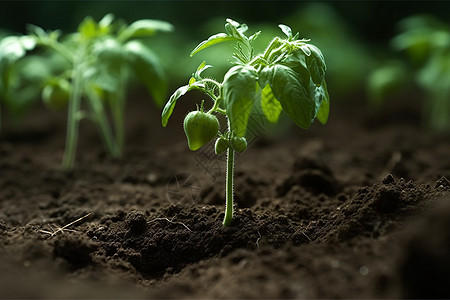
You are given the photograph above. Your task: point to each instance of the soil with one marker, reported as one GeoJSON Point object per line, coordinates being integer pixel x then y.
{"type": "Point", "coordinates": [358, 208]}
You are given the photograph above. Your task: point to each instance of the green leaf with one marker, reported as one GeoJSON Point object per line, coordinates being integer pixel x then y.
{"type": "Point", "coordinates": [323, 99]}
{"type": "Point", "coordinates": [271, 107]}
{"type": "Point", "coordinates": [293, 91]}
{"type": "Point", "coordinates": [316, 64]}
{"type": "Point", "coordinates": [145, 64]}
{"type": "Point", "coordinates": [202, 67]}
{"type": "Point", "coordinates": [212, 40]}
{"type": "Point", "coordinates": [144, 28]}
{"type": "Point", "coordinates": [170, 105]}
{"type": "Point", "coordinates": [239, 88]}
{"type": "Point", "coordinates": [13, 48]}
{"type": "Point", "coordinates": [88, 28]}
{"type": "Point", "coordinates": [287, 30]}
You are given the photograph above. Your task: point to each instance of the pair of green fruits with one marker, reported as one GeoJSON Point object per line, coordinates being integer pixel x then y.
{"type": "Point", "coordinates": [201, 127]}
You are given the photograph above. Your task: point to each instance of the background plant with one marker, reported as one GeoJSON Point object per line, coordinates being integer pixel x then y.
{"type": "Point", "coordinates": [288, 76]}
{"type": "Point", "coordinates": [425, 41]}
{"type": "Point", "coordinates": [93, 64]}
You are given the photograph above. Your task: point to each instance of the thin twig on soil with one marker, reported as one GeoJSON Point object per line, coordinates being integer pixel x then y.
{"type": "Point", "coordinates": [259, 238]}
{"type": "Point", "coordinates": [170, 221]}
{"type": "Point", "coordinates": [64, 228]}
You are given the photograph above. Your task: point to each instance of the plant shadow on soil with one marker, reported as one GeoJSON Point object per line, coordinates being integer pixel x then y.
{"type": "Point", "coordinates": [354, 209]}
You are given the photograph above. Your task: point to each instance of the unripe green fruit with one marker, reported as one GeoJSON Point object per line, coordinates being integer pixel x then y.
{"type": "Point", "coordinates": [239, 144]}
{"type": "Point", "coordinates": [56, 94]}
{"type": "Point", "coordinates": [200, 128]}
{"type": "Point", "coordinates": [221, 145]}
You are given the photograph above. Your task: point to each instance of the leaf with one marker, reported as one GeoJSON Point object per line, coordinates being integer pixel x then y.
{"type": "Point", "coordinates": [212, 40]}
{"type": "Point", "coordinates": [293, 92]}
{"type": "Point", "coordinates": [323, 98]}
{"type": "Point", "coordinates": [270, 106]}
{"type": "Point", "coordinates": [316, 64]}
{"type": "Point", "coordinates": [202, 67]}
{"type": "Point", "coordinates": [145, 64]}
{"type": "Point", "coordinates": [142, 28]}
{"type": "Point", "coordinates": [88, 28]}
{"type": "Point", "coordinates": [287, 30]}
{"type": "Point", "coordinates": [239, 88]}
{"type": "Point", "coordinates": [170, 105]}
{"type": "Point", "coordinates": [13, 48]}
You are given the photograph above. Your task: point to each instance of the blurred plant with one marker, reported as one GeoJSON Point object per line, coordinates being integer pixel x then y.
{"type": "Point", "coordinates": [426, 42]}
{"type": "Point", "coordinates": [95, 63]}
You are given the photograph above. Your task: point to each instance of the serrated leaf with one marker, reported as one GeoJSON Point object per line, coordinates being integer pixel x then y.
{"type": "Point", "coordinates": [145, 64]}
{"type": "Point", "coordinates": [293, 92]}
{"type": "Point", "coordinates": [286, 30]}
{"type": "Point", "coordinates": [144, 28]}
{"type": "Point", "coordinates": [212, 40]}
{"type": "Point", "coordinates": [270, 106]}
{"type": "Point", "coordinates": [239, 88]}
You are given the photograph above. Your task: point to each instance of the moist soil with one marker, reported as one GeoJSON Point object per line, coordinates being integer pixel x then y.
{"type": "Point", "coordinates": [356, 208]}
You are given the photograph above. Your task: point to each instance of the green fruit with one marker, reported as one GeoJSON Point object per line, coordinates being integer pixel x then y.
{"type": "Point", "coordinates": [200, 128]}
{"type": "Point", "coordinates": [239, 144]}
{"type": "Point", "coordinates": [221, 145]}
{"type": "Point", "coordinates": [56, 94]}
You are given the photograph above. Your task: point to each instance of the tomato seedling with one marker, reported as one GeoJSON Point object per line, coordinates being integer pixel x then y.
{"type": "Point", "coordinates": [95, 64]}
{"type": "Point", "coordinates": [288, 76]}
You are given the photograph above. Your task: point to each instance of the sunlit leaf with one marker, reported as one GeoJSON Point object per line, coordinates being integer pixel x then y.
{"type": "Point", "coordinates": [215, 39]}
{"type": "Point", "coordinates": [286, 30]}
{"type": "Point", "coordinates": [239, 88]}
{"type": "Point", "coordinates": [143, 28]}
{"type": "Point", "coordinates": [270, 106]}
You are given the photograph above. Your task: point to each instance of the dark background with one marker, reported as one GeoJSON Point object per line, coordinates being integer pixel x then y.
{"type": "Point", "coordinates": [373, 20]}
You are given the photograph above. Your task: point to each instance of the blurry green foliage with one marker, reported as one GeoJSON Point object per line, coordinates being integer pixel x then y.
{"type": "Point", "coordinates": [92, 65]}
{"type": "Point", "coordinates": [426, 42]}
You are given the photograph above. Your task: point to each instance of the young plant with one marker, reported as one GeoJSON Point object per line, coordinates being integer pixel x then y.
{"type": "Point", "coordinates": [99, 60]}
{"type": "Point", "coordinates": [288, 76]}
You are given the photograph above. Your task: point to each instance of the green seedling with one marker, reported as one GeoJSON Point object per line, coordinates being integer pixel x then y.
{"type": "Point", "coordinates": [95, 65]}
{"type": "Point", "coordinates": [288, 76]}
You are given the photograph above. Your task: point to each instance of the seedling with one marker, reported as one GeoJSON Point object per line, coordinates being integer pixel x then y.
{"type": "Point", "coordinates": [288, 76]}
{"type": "Point", "coordinates": [98, 61]}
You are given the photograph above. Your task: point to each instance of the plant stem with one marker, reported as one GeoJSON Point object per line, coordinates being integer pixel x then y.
{"type": "Point", "coordinates": [102, 124]}
{"type": "Point", "coordinates": [118, 112]}
{"type": "Point", "coordinates": [229, 188]}
{"type": "Point", "coordinates": [73, 113]}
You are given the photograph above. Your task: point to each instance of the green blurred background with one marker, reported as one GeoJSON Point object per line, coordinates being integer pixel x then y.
{"type": "Point", "coordinates": [355, 37]}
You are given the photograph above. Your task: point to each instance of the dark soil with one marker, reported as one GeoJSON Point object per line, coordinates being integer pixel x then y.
{"type": "Point", "coordinates": [358, 208]}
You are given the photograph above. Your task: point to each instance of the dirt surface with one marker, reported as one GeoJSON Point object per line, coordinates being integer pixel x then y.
{"type": "Point", "coordinates": [357, 208]}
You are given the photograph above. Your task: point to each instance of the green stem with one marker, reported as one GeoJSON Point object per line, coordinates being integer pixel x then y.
{"type": "Point", "coordinates": [118, 113]}
{"type": "Point", "coordinates": [73, 113]}
{"type": "Point", "coordinates": [229, 188]}
{"type": "Point", "coordinates": [103, 124]}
